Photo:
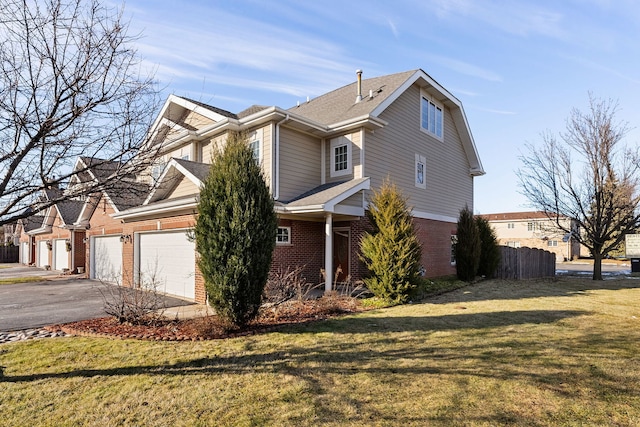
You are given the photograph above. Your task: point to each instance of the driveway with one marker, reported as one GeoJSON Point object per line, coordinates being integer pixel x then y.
{"type": "Point", "coordinates": [60, 300]}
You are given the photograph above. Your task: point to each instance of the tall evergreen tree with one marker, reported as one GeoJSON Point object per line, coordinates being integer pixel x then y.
{"type": "Point", "coordinates": [235, 232]}
{"type": "Point", "coordinates": [467, 248]}
{"type": "Point", "coordinates": [391, 251]}
{"type": "Point", "coordinates": [489, 250]}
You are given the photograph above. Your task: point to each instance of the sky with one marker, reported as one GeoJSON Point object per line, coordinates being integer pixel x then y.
{"type": "Point", "coordinates": [518, 67]}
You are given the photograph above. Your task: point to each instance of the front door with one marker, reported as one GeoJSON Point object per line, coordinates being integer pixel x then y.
{"type": "Point", "coordinates": [340, 254]}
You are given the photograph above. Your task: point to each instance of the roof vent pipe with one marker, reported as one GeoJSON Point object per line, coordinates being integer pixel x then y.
{"type": "Point", "coordinates": [359, 86]}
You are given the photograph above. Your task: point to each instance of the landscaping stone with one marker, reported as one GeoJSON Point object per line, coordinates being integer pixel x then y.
{"type": "Point", "coordinates": [29, 334]}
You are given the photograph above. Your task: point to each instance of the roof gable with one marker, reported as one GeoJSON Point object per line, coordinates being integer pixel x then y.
{"type": "Point", "coordinates": [176, 168]}
{"type": "Point", "coordinates": [338, 107]}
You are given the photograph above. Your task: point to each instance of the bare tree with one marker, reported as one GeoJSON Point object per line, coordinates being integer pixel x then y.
{"type": "Point", "coordinates": [587, 174]}
{"type": "Point", "coordinates": [71, 84]}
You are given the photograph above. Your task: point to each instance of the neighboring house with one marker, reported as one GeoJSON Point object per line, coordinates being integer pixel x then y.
{"type": "Point", "coordinates": [57, 236]}
{"type": "Point", "coordinates": [49, 238]}
{"type": "Point", "coordinates": [11, 234]}
{"type": "Point", "coordinates": [536, 230]}
{"type": "Point", "coordinates": [320, 160]}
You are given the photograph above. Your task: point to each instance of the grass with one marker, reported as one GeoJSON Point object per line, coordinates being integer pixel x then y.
{"type": "Point", "coordinates": [531, 353]}
{"type": "Point", "coordinates": [28, 279]}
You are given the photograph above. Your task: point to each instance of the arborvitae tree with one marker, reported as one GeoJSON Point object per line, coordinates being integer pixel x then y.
{"type": "Point", "coordinates": [235, 232]}
{"type": "Point", "coordinates": [391, 251]}
{"type": "Point", "coordinates": [489, 250]}
{"type": "Point", "coordinates": [468, 246]}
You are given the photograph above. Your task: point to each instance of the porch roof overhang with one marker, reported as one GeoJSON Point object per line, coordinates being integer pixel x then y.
{"type": "Point", "coordinates": [326, 199]}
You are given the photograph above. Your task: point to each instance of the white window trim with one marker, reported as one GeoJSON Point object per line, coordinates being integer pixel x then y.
{"type": "Point", "coordinates": [428, 97]}
{"type": "Point", "coordinates": [256, 137]}
{"type": "Point", "coordinates": [335, 143]}
{"type": "Point", "coordinates": [259, 149]}
{"type": "Point", "coordinates": [423, 161]}
{"type": "Point", "coordinates": [288, 242]}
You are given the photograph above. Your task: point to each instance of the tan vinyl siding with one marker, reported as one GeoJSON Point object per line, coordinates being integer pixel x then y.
{"type": "Point", "coordinates": [355, 158]}
{"type": "Point", "coordinates": [185, 187]}
{"type": "Point", "coordinates": [196, 120]}
{"type": "Point", "coordinates": [181, 152]}
{"type": "Point", "coordinates": [391, 151]}
{"type": "Point", "coordinates": [207, 147]}
{"type": "Point", "coordinates": [299, 163]}
{"type": "Point", "coordinates": [355, 200]}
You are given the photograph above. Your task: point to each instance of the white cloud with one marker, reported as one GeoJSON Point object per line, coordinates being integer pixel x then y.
{"type": "Point", "coordinates": [517, 18]}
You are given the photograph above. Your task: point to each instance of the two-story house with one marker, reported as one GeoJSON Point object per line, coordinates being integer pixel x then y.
{"type": "Point", "coordinates": [320, 159]}
{"type": "Point", "coordinates": [536, 230]}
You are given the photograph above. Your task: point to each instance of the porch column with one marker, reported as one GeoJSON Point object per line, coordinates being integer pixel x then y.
{"type": "Point", "coordinates": [328, 252]}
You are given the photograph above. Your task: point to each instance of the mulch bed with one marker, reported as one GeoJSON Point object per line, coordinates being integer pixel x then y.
{"type": "Point", "coordinates": [212, 327]}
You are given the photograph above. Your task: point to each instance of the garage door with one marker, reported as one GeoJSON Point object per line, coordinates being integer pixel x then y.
{"type": "Point", "coordinates": [60, 255]}
{"type": "Point", "coordinates": [24, 253]}
{"type": "Point", "coordinates": [106, 258]}
{"type": "Point", "coordinates": [168, 259]}
{"type": "Point", "coordinates": [43, 253]}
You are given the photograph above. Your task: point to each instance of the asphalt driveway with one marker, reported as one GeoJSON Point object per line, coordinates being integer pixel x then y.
{"type": "Point", "coordinates": [59, 300]}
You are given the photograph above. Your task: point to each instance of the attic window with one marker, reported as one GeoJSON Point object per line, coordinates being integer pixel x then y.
{"type": "Point", "coordinates": [431, 116]}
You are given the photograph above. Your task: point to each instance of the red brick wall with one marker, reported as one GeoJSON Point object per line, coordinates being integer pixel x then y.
{"type": "Point", "coordinates": [57, 232]}
{"type": "Point", "coordinates": [435, 237]}
{"type": "Point", "coordinates": [306, 249]}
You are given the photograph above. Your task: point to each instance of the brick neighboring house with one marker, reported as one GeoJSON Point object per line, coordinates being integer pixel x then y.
{"type": "Point", "coordinates": [320, 159]}
{"type": "Point", "coordinates": [536, 230]}
{"type": "Point", "coordinates": [51, 239]}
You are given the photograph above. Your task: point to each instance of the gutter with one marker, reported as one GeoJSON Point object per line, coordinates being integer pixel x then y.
{"type": "Point", "coordinates": [276, 171]}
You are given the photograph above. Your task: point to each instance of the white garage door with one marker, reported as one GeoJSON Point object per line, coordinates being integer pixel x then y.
{"type": "Point", "coordinates": [43, 253]}
{"type": "Point", "coordinates": [106, 258]}
{"type": "Point", "coordinates": [60, 255]}
{"type": "Point", "coordinates": [168, 259]}
{"type": "Point", "coordinates": [24, 253]}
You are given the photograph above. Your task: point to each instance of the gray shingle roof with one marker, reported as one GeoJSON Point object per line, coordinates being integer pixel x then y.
{"type": "Point", "coordinates": [101, 168]}
{"type": "Point", "coordinates": [199, 170]}
{"type": "Point", "coordinates": [339, 105]}
{"type": "Point", "coordinates": [324, 193]}
{"type": "Point", "coordinates": [212, 108]}
{"type": "Point", "coordinates": [128, 194]}
{"type": "Point", "coordinates": [251, 110]}
{"type": "Point", "coordinates": [32, 222]}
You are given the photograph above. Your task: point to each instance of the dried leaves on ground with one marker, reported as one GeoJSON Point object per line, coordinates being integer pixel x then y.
{"type": "Point", "coordinates": [212, 327]}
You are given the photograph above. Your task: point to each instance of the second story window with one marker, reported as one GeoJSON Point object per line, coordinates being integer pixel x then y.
{"type": "Point", "coordinates": [156, 169]}
{"type": "Point", "coordinates": [255, 148]}
{"type": "Point", "coordinates": [340, 156]}
{"type": "Point", "coordinates": [431, 117]}
{"type": "Point", "coordinates": [511, 225]}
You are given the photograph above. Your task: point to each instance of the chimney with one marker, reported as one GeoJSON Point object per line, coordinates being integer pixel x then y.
{"type": "Point", "coordinates": [359, 86]}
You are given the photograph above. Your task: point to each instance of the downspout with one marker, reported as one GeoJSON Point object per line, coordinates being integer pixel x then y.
{"type": "Point", "coordinates": [276, 170]}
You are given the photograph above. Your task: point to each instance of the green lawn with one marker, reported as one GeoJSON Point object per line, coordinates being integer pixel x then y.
{"type": "Point", "coordinates": [534, 353]}
{"type": "Point", "coordinates": [26, 279]}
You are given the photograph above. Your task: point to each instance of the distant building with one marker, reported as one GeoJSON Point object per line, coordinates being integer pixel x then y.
{"type": "Point", "coordinates": [536, 230]}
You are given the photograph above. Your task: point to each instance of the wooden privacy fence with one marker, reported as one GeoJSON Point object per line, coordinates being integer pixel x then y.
{"type": "Point", "coordinates": [525, 263]}
{"type": "Point", "coordinates": [9, 253]}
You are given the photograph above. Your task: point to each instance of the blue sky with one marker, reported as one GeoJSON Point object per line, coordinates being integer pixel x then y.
{"type": "Point", "coordinates": [518, 67]}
